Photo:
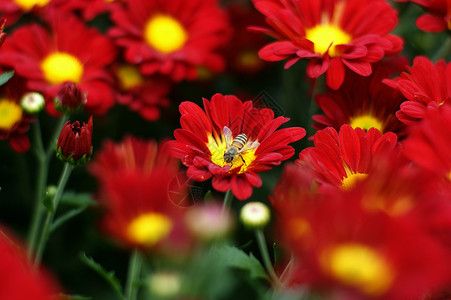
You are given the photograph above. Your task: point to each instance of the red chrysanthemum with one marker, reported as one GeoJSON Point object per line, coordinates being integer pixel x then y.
{"type": "Point", "coordinates": [429, 142]}
{"type": "Point", "coordinates": [332, 34]}
{"type": "Point", "coordinates": [89, 9]}
{"type": "Point", "coordinates": [342, 251]}
{"type": "Point", "coordinates": [20, 280]}
{"type": "Point", "coordinates": [69, 52]}
{"type": "Point", "coordinates": [364, 102]}
{"type": "Point", "coordinates": [426, 86]}
{"type": "Point", "coordinates": [173, 37]}
{"type": "Point", "coordinates": [201, 142]}
{"type": "Point", "coordinates": [14, 121]}
{"type": "Point", "coordinates": [143, 94]}
{"type": "Point", "coordinates": [134, 179]}
{"type": "Point", "coordinates": [439, 15]}
{"type": "Point", "coordinates": [342, 158]}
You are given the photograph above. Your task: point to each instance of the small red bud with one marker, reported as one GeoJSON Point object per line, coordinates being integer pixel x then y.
{"type": "Point", "coordinates": [70, 98]}
{"type": "Point", "coordinates": [74, 143]}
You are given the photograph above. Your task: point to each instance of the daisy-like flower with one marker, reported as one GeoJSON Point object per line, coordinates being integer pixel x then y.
{"type": "Point", "coordinates": [425, 85]}
{"type": "Point", "coordinates": [343, 251]}
{"type": "Point", "coordinates": [48, 59]}
{"type": "Point", "coordinates": [205, 137]}
{"type": "Point", "coordinates": [364, 102]}
{"type": "Point", "coordinates": [342, 158]}
{"type": "Point", "coordinates": [334, 35]}
{"type": "Point", "coordinates": [143, 94]}
{"type": "Point", "coordinates": [172, 37]}
{"type": "Point", "coordinates": [134, 178]}
{"type": "Point", "coordinates": [22, 281]}
{"type": "Point", "coordinates": [14, 121]}
{"type": "Point", "coordinates": [438, 17]}
{"type": "Point", "coordinates": [429, 142]}
{"type": "Point", "coordinates": [89, 9]}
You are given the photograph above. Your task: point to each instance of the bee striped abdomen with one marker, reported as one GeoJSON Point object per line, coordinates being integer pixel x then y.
{"type": "Point", "coordinates": [239, 141]}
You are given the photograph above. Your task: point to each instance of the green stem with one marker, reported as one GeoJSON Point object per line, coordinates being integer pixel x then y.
{"type": "Point", "coordinates": [227, 200]}
{"type": "Point", "coordinates": [261, 241]}
{"type": "Point", "coordinates": [43, 157]}
{"type": "Point", "coordinates": [444, 51]}
{"type": "Point", "coordinates": [134, 270]}
{"type": "Point", "coordinates": [46, 230]}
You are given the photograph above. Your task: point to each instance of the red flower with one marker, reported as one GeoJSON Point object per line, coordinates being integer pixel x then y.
{"type": "Point", "coordinates": [364, 102]}
{"type": "Point", "coordinates": [343, 251]}
{"type": "Point", "coordinates": [201, 143]}
{"type": "Point", "coordinates": [14, 121]}
{"type": "Point", "coordinates": [427, 86]}
{"type": "Point", "coordinates": [74, 143]}
{"type": "Point", "coordinates": [89, 8]}
{"type": "Point", "coordinates": [438, 17]}
{"type": "Point", "coordinates": [332, 34]}
{"type": "Point", "coordinates": [47, 59]}
{"type": "Point", "coordinates": [143, 94]}
{"type": "Point", "coordinates": [342, 158]}
{"type": "Point", "coordinates": [20, 280]}
{"type": "Point", "coordinates": [429, 142]}
{"type": "Point", "coordinates": [173, 37]}
{"type": "Point", "coordinates": [134, 179]}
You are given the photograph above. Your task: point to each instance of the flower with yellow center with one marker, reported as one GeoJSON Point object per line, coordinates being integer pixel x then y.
{"type": "Point", "coordinates": [360, 266]}
{"type": "Point", "coordinates": [59, 67]}
{"type": "Point", "coordinates": [29, 4]}
{"type": "Point", "coordinates": [129, 76]}
{"type": "Point", "coordinates": [10, 114]}
{"type": "Point", "coordinates": [351, 178]}
{"type": "Point", "coordinates": [218, 147]}
{"type": "Point", "coordinates": [326, 35]}
{"type": "Point", "coordinates": [366, 122]}
{"type": "Point", "coordinates": [165, 34]}
{"type": "Point", "coordinates": [148, 229]}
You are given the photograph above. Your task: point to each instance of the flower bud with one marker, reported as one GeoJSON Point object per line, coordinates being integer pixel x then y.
{"type": "Point", "coordinates": [209, 222]}
{"type": "Point", "coordinates": [32, 102]}
{"type": "Point", "coordinates": [165, 284]}
{"type": "Point", "coordinates": [74, 143]}
{"type": "Point", "coordinates": [255, 215]}
{"type": "Point", "coordinates": [70, 98]}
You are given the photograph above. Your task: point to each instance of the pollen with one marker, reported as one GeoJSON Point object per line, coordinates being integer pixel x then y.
{"type": "Point", "coordinates": [324, 35]}
{"type": "Point", "coordinates": [59, 67]}
{"type": "Point", "coordinates": [148, 229]}
{"type": "Point", "coordinates": [29, 4]}
{"type": "Point", "coordinates": [129, 77]}
{"type": "Point", "coordinates": [217, 147]}
{"type": "Point", "coordinates": [359, 266]}
{"type": "Point", "coordinates": [350, 181]}
{"type": "Point", "coordinates": [366, 122]}
{"type": "Point", "coordinates": [165, 34]}
{"type": "Point", "coordinates": [10, 114]}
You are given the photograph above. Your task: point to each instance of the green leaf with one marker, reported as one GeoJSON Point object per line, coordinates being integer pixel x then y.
{"type": "Point", "coordinates": [67, 216]}
{"type": "Point", "coordinates": [5, 77]}
{"type": "Point", "coordinates": [78, 199]}
{"type": "Point", "coordinates": [110, 277]}
{"type": "Point", "coordinates": [236, 258]}
{"type": "Point", "coordinates": [74, 297]}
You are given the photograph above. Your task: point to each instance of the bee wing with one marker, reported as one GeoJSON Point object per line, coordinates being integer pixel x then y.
{"type": "Point", "coordinates": [249, 146]}
{"type": "Point", "coordinates": [227, 135]}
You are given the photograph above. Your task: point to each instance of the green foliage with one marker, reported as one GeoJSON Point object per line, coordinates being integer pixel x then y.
{"type": "Point", "coordinates": [5, 77]}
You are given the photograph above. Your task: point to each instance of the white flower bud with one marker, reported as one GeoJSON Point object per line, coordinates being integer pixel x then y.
{"type": "Point", "coordinates": [255, 215]}
{"type": "Point", "coordinates": [165, 284]}
{"type": "Point", "coordinates": [32, 102]}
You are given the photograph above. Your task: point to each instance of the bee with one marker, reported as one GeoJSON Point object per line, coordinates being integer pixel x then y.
{"type": "Point", "coordinates": [236, 146]}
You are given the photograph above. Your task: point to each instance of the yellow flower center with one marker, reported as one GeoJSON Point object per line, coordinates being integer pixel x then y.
{"type": "Point", "coordinates": [359, 266]}
{"type": "Point", "coordinates": [349, 181]}
{"type": "Point", "coordinates": [165, 34]}
{"type": "Point", "coordinates": [218, 147]}
{"type": "Point", "coordinates": [10, 114]}
{"type": "Point", "coordinates": [366, 122]}
{"type": "Point", "coordinates": [148, 229]}
{"type": "Point", "coordinates": [28, 4]}
{"type": "Point", "coordinates": [129, 77]}
{"type": "Point", "coordinates": [59, 67]}
{"type": "Point", "coordinates": [325, 35]}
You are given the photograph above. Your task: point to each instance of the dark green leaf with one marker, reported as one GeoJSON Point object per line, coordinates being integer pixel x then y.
{"type": "Point", "coordinates": [74, 297]}
{"type": "Point", "coordinates": [5, 77]}
{"type": "Point", "coordinates": [110, 277]}
{"type": "Point", "coordinates": [67, 216]}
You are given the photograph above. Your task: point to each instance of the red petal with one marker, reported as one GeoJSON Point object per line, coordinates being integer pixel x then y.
{"type": "Point", "coordinates": [241, 188]}
{"type": "Point", "coordinates": [336, 73]}
{"type": "Point", "coordinates": [431, 23]}
{"type": "Point", "coordinates": [360, 67]}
